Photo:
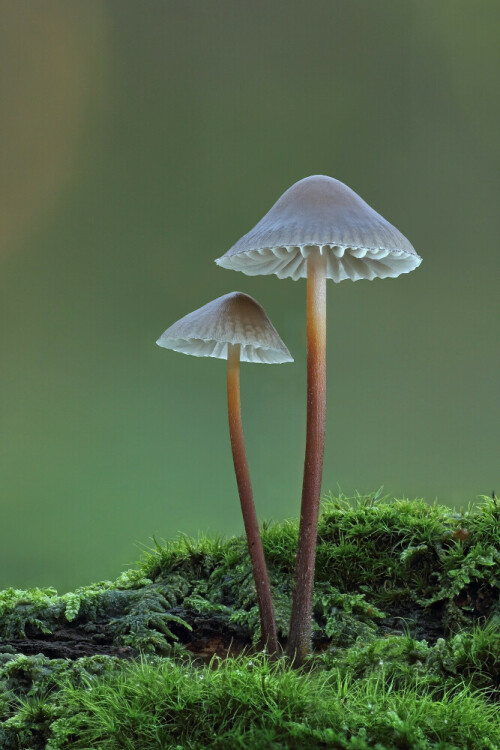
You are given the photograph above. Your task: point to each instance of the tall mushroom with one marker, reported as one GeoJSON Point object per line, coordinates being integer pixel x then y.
{"type": "Point", "coordinates": [319, 229]}
{"type": "Point", "coordinates": [235, 327]}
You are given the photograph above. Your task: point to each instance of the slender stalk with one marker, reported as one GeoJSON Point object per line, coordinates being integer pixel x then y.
{"type": "Point", "coordinates": [266, 610]}
{"type": "Point", "coordinates": [300, 624]}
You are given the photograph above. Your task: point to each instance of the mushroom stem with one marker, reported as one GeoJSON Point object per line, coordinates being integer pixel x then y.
{"type": "Point", "coordinates": [300, 623]}
{"type": "Point", "coordinates": [255, 548]}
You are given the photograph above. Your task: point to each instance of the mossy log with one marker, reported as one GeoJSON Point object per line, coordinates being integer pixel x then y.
{"type": "Point", "coordinates": [407, 585]}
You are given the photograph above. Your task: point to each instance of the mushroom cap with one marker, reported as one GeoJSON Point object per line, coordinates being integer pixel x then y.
{"type": "Point", "coordinates": [322, 213]}
{"type": "Point", "coordinates": [235, 318]}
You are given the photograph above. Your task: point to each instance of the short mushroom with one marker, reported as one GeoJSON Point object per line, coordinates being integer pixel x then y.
{"type": "Point", "coordinates": [319, 229]}
{"type": "Point", "coordinates": [235, 327]}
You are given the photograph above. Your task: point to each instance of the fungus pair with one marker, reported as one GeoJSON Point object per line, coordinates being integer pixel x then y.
{"type": "Point", "coordinates": [318, 229]}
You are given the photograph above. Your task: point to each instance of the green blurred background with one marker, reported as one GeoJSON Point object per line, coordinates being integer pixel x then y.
{"type": "Point", "coordinates": [139, 141]}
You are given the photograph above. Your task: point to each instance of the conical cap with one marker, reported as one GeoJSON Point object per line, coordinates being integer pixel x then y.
{"type": "Point", "coordinates": [321, 212]}
{"type": "Point", "coordinates": [235, 318]}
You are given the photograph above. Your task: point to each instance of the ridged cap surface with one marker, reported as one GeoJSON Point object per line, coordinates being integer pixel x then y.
{"type": "Point", "coordinates": [235, 318]}
{"type": "Point", "coordinates": [321, 212]}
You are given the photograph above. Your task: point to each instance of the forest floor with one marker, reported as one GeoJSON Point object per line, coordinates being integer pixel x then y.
{"type": "Point", "coordinates": [406, 642]}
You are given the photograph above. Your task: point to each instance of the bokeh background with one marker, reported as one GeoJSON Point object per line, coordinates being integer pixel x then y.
{"type": "Point", "coordinates": [138, 142]}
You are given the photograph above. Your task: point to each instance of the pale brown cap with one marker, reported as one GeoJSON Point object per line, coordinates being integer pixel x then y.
{"type": "Point", "coordinates": [322, 213]}
{"type": "Point", "coordinates": [235, 318]}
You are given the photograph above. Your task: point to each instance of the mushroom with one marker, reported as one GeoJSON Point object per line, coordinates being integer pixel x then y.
{"type": "Point", "coordinates": [319, 229]}
{"type": "Point", "coordinates": [235, 327]}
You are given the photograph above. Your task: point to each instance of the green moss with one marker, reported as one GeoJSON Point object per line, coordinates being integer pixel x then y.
{"type": "Point", "coordinates": [250, 703]}
{"type": "Point", "coordinates": [406, 627]}
{"type": "Point", "coordinates": [134, 610]}
{"type": "Point", "coordinates": [471, 657]}
{"type": "Point", "coordinates": [374, 556]}
{"type": "Point", "coordinates": [30, 694]}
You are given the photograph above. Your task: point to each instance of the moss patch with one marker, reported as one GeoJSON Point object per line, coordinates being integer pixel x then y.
{"type": "Point", "coordinates": [406, 642]}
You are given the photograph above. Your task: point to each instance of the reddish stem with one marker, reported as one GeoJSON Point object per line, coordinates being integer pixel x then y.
{"type": "Point", "coordinates": [267, 621]}
{"type": "Point", "coordinates": [300, 624]}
